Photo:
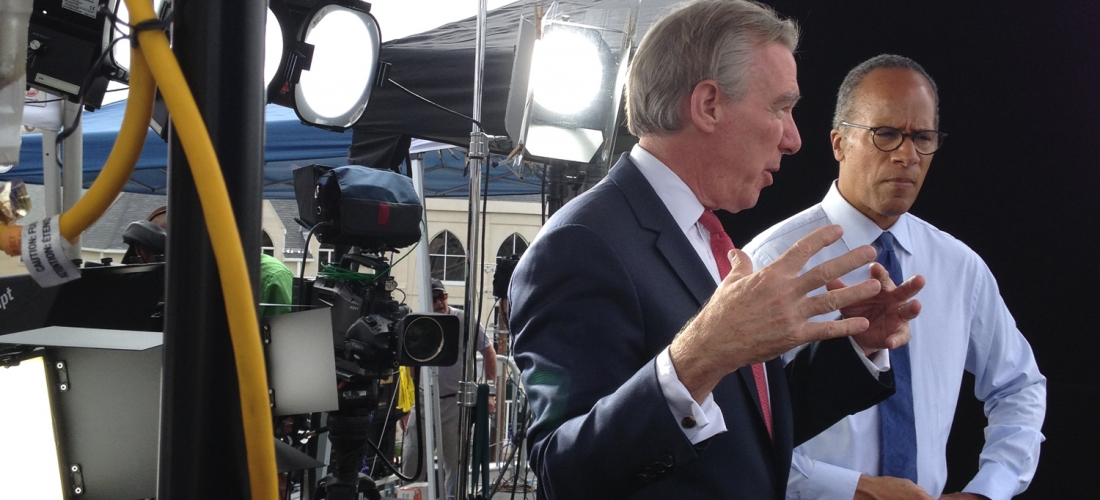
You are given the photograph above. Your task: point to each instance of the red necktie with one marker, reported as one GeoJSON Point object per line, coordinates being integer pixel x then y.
{"type": "Point", "coordinates": [720, 245]}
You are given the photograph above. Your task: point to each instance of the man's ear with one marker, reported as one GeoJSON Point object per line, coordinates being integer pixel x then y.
{"type": "Point", "coordinates": [704, 105]}
{"type": "Point", "coordinates": [837, 140]}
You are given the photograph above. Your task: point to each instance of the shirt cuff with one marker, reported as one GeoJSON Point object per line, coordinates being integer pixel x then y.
{"type": "Point", "coordinates": [699, 422]}
{"type": "Point", "coordinates": [814, 480]}
{"type": "Point", "coordinates": [994, 481]}
{"type": "Point", "coordinates": [877, 363]}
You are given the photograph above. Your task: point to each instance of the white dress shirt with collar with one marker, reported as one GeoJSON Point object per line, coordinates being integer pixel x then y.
{"type": "Point", "coordinates": [963, 325]}
{"type": "Point", "coordinates": [686, 209]}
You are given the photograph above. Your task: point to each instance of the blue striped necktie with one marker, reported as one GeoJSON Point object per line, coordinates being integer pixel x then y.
{"type": "Point", "coordinates": [898, 428]}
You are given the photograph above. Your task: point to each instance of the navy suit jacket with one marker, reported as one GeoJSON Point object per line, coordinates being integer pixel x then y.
{"type": "Point", "coordinates": [604, 288]}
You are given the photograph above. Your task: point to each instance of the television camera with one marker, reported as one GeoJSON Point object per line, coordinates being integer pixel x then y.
{"type": "Point", "coordinates": [367, 214]}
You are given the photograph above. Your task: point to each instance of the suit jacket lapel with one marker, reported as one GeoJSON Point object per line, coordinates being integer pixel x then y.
{"type": "Point", "coordinates": [671, 242]}
{"type": "Point", "coordinates": [676, 249]}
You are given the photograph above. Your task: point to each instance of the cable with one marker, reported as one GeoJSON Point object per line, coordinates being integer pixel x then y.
{"type": "Point", "coordinates": [386, 421]}
{"type": "Point", "coordinates": [228, 251]}
{"type": "Point", "coordinates": [440, 106]}
{"type": "Point", "coordinates": [83, 94]}
{"type": "Point", "coordinates": [302, 270]}
{"type": "Point", "coordinates": [118, 167]}
{"type": "Point", "coordinates": [542, 190]}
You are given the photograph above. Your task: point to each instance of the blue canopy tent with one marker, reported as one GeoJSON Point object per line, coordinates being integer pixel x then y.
{"type": "Point", "coordinates": [289, 144]}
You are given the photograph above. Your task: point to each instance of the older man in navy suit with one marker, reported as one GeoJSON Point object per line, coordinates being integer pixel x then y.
{"type": "Point", "coordinates": [648, 344]}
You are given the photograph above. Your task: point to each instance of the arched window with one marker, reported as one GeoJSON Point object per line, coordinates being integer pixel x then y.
{"type": "Point", "coordinates": [266, 245]}
{"type": "Point", "coordinates": [513, 245]}
{"type": "Point", "coordinates": [448, 257]}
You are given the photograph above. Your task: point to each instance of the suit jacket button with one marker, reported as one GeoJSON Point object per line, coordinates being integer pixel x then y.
{"type": "Point", "coordinates": [644, 478]}
{"type": "Point", "coordinates": [688, 422]}
{"type": "Point", "coordinates": [667, 460]}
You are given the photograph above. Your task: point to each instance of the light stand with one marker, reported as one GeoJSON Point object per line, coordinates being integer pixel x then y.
{"type": "Point", "coordinates": [477, 155]}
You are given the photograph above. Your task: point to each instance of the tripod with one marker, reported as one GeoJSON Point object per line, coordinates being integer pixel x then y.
{"type": "Point", "coordinates": [348, 430]}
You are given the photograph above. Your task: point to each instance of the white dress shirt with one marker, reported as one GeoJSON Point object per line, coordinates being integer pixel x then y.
{"type": "Point", "coordinates": [685, 208]}
{"type": "Point", "coordinates": [963, 325]}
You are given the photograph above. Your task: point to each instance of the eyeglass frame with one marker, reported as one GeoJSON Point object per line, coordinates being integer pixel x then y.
{"type": "Point", "coordinates": [940, 136]}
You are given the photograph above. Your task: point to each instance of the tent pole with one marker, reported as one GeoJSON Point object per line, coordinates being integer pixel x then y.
{"type": "Point", "coordinates": [477, 155]}
{"type": "Point", "coordinates": [430, 400]}
{"type": "Point", "coordinates": [51, 173]}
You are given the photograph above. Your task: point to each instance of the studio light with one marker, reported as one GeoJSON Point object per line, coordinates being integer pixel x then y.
{"type": "Point", "coordinates": [566, 85]}
{"type": "Point", "coordinates": [567, 69]}
{"type": "Point", "coordinates": [333, 91]}
{"type": "Point", "coordinates": [273, 47]}
{"type": "Point", "coordinates": [65, 42]}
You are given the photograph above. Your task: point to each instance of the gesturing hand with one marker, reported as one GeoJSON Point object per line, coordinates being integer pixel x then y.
{"type": "Point", "coordinates": [755, 316]}
{"type": "Point", "coordinates": [889, 488]}
{"type": "Point", "coordinates": [888, 312]}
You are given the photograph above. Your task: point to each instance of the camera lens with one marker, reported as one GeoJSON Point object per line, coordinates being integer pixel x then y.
{"type": "Point", "coordinates": [423, 339]}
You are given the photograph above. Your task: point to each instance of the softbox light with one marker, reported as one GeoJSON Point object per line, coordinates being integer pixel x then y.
{"type": "Point", "coordinates": [334, 90]}
{"type": "Point", "coordinates": [566, 85]}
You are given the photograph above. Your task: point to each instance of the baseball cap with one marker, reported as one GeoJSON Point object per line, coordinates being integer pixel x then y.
{"type": "Point", "coordinates": [438, 285]}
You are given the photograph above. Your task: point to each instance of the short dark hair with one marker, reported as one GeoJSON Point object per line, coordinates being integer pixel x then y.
{"type": "Point", "coordinates": [846, 95]}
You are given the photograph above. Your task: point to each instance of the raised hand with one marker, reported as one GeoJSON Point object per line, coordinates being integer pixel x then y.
{"type": "Point", "coordinates": [755, 316]}
{"type": "Point", "coordinates": [888, 312]}
{"type": "Point", "coordinates": [889, 488]}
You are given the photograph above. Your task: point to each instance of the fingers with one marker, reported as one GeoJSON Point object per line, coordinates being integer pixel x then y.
{"type": "Point", "coordinates": [880, 274]}
{"type": "Point", "coordinates": [740, 263]}
{"type": "Point", "coordinates": [826, 330]}
{"type": "Point", "coordinates": [795, 258]}
{"type": "Point", "coordinates": [834, 285]}
{"type": "Point", "coordinates": [910, 287]}
{"type": "Point", "coordinates": [835, 268]}
{"type": "Point", "coordinates": [840, 298]}
{"type": "Point", "coordinates": [909, 310]}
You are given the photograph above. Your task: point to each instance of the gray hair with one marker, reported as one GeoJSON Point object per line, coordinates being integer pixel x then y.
{"type": "Point", "coordinates": [846, 95]}
{"type": "Point", "coordinates": [697, 41]}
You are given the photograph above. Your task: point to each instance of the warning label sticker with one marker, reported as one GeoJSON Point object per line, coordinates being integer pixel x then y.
{"type": "Point", "coordinates": [85, 7]}
{"type": "Point", "coordinates": [45, 253]}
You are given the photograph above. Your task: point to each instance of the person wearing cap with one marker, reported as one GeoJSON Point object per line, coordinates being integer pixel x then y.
{"type": "Point", "coordinates": [449, 379]}
{"type": "Point", "coordinates": [147, 240]}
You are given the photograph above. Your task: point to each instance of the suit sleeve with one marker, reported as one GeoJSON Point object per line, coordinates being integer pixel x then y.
{"type": "Point", "coordinates": [828, 381]}
{"type": "Point", "coordinates": [601, 427]}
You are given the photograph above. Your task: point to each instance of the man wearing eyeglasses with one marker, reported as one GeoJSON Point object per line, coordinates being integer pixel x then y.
{"type": "Point", "coordinates": [885, 132]}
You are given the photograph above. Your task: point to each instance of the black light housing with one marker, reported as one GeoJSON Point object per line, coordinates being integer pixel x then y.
{"type": "Point", "coordinates": [64, 42]}
{"type": "Point", "coordinates": [329, 62]}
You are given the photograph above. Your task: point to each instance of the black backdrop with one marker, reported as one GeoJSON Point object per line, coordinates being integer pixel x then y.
{"type": "Point", "coordinates": [1018, 180]}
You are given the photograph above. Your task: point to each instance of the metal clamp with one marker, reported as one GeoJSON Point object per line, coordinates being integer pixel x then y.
{"type": "Point", "coordinates": [467, 394]}
{"type": "Point", "coordinates": [479, 147]}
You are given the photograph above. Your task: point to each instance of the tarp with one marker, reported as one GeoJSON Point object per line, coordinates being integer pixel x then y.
{"type": "Point", "coordinates": [288, 144]}
{"type": "Point", "coordinates": [439, 65]}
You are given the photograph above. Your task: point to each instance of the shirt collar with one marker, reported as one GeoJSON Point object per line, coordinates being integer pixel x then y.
{"type": "Point", "coordinates": [678, 198]}
{"type": "Point", "coordinates": [858, 228]}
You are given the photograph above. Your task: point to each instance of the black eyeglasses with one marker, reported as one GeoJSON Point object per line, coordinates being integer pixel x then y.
{"type": "Point", "coordinates": [888, 139]}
